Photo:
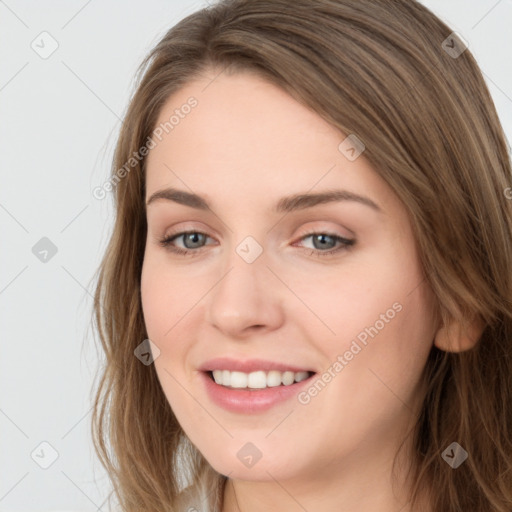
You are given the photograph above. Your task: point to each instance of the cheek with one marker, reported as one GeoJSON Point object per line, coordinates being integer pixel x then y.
{"type": "Point", "coordinates": [392, 345]}
{"type": "Point", "coordinates": [152, 299]}
{"type": "Point", "coordinates": [169, 303]}
{"type": "Point", "coordinates": [163, 295]}
{"type": "Point", "coordinates": [385, 308]}
{"type": "Point", "coordinates": [353, 299]}
{"type": "Point", "coordinates": [160, 297]}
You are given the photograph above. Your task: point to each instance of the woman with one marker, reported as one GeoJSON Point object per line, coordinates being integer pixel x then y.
{"type": "Point", "coordinates": [263, 369]}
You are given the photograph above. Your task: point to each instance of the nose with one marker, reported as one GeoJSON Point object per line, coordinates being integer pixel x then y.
{"type": "Point", "coordinates": [247, 298]}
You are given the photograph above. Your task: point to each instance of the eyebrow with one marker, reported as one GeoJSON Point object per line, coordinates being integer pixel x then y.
{"type": "Point", "coordinates": [284, 205]}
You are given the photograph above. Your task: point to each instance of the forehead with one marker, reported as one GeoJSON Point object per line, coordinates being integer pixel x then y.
{"type": "Point", "coordinates": [249, 109]}
{"type": "Point", "coordinates": [247, 136]}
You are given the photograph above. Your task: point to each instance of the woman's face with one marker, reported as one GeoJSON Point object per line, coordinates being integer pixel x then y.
{"type": "Point", "coordinates": [257, 284]}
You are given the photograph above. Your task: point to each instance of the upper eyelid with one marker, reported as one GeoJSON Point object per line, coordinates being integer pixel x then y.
{"type": "Point", "coordinates": [173, 236]}
{"type": "Point", "coordinates": [333, 231]}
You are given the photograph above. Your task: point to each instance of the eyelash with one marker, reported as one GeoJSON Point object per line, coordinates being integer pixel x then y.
{"type": "Point", "coordinates": [167, 241]}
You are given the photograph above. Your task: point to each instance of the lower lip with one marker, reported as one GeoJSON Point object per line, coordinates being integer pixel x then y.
{"type": "Point", "coordinates": [250, 401]}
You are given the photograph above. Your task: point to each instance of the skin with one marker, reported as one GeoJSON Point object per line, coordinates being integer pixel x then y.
{"type": "Point", "coordinates": [244, 146]}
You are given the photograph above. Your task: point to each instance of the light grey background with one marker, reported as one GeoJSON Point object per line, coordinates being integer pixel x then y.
{"type": "Point", "coordinates": [59, 118]}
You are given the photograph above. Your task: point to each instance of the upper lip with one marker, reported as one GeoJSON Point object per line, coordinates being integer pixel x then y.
{"type": "Point", "coordinates": [250, 365]}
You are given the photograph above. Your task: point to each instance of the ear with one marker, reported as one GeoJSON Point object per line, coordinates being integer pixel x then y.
{"type": "Point", "coordinates": [455, 338]}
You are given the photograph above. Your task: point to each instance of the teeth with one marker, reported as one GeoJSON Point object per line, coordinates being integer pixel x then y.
{"type": "Point", "coordinates": [258, 379]}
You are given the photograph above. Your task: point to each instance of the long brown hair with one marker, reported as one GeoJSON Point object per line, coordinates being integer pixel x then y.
{"type": "Point", "coordinates": [394, 75]}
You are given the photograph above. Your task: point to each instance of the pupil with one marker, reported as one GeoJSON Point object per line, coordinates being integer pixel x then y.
{"type": "Point", "coordinates": [193, 237]}
{"type": "Point", "coordinates": [321, 239]}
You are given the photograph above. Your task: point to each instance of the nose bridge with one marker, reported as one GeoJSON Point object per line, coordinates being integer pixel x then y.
{"type": "Point", "coordinates": [247, 294]}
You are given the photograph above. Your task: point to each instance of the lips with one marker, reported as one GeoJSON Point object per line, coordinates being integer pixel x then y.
{"type": "Point", "coordinates": [251, 365]}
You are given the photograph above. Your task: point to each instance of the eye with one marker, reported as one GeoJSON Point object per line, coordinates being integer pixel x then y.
{"type": "Point", "coordinates": [193, 240]}
{"type": "Point", "coordinates": [322, 243]}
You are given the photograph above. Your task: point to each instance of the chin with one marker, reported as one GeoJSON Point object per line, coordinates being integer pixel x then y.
{"type": "Point", "coordinates": [263, 470]}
